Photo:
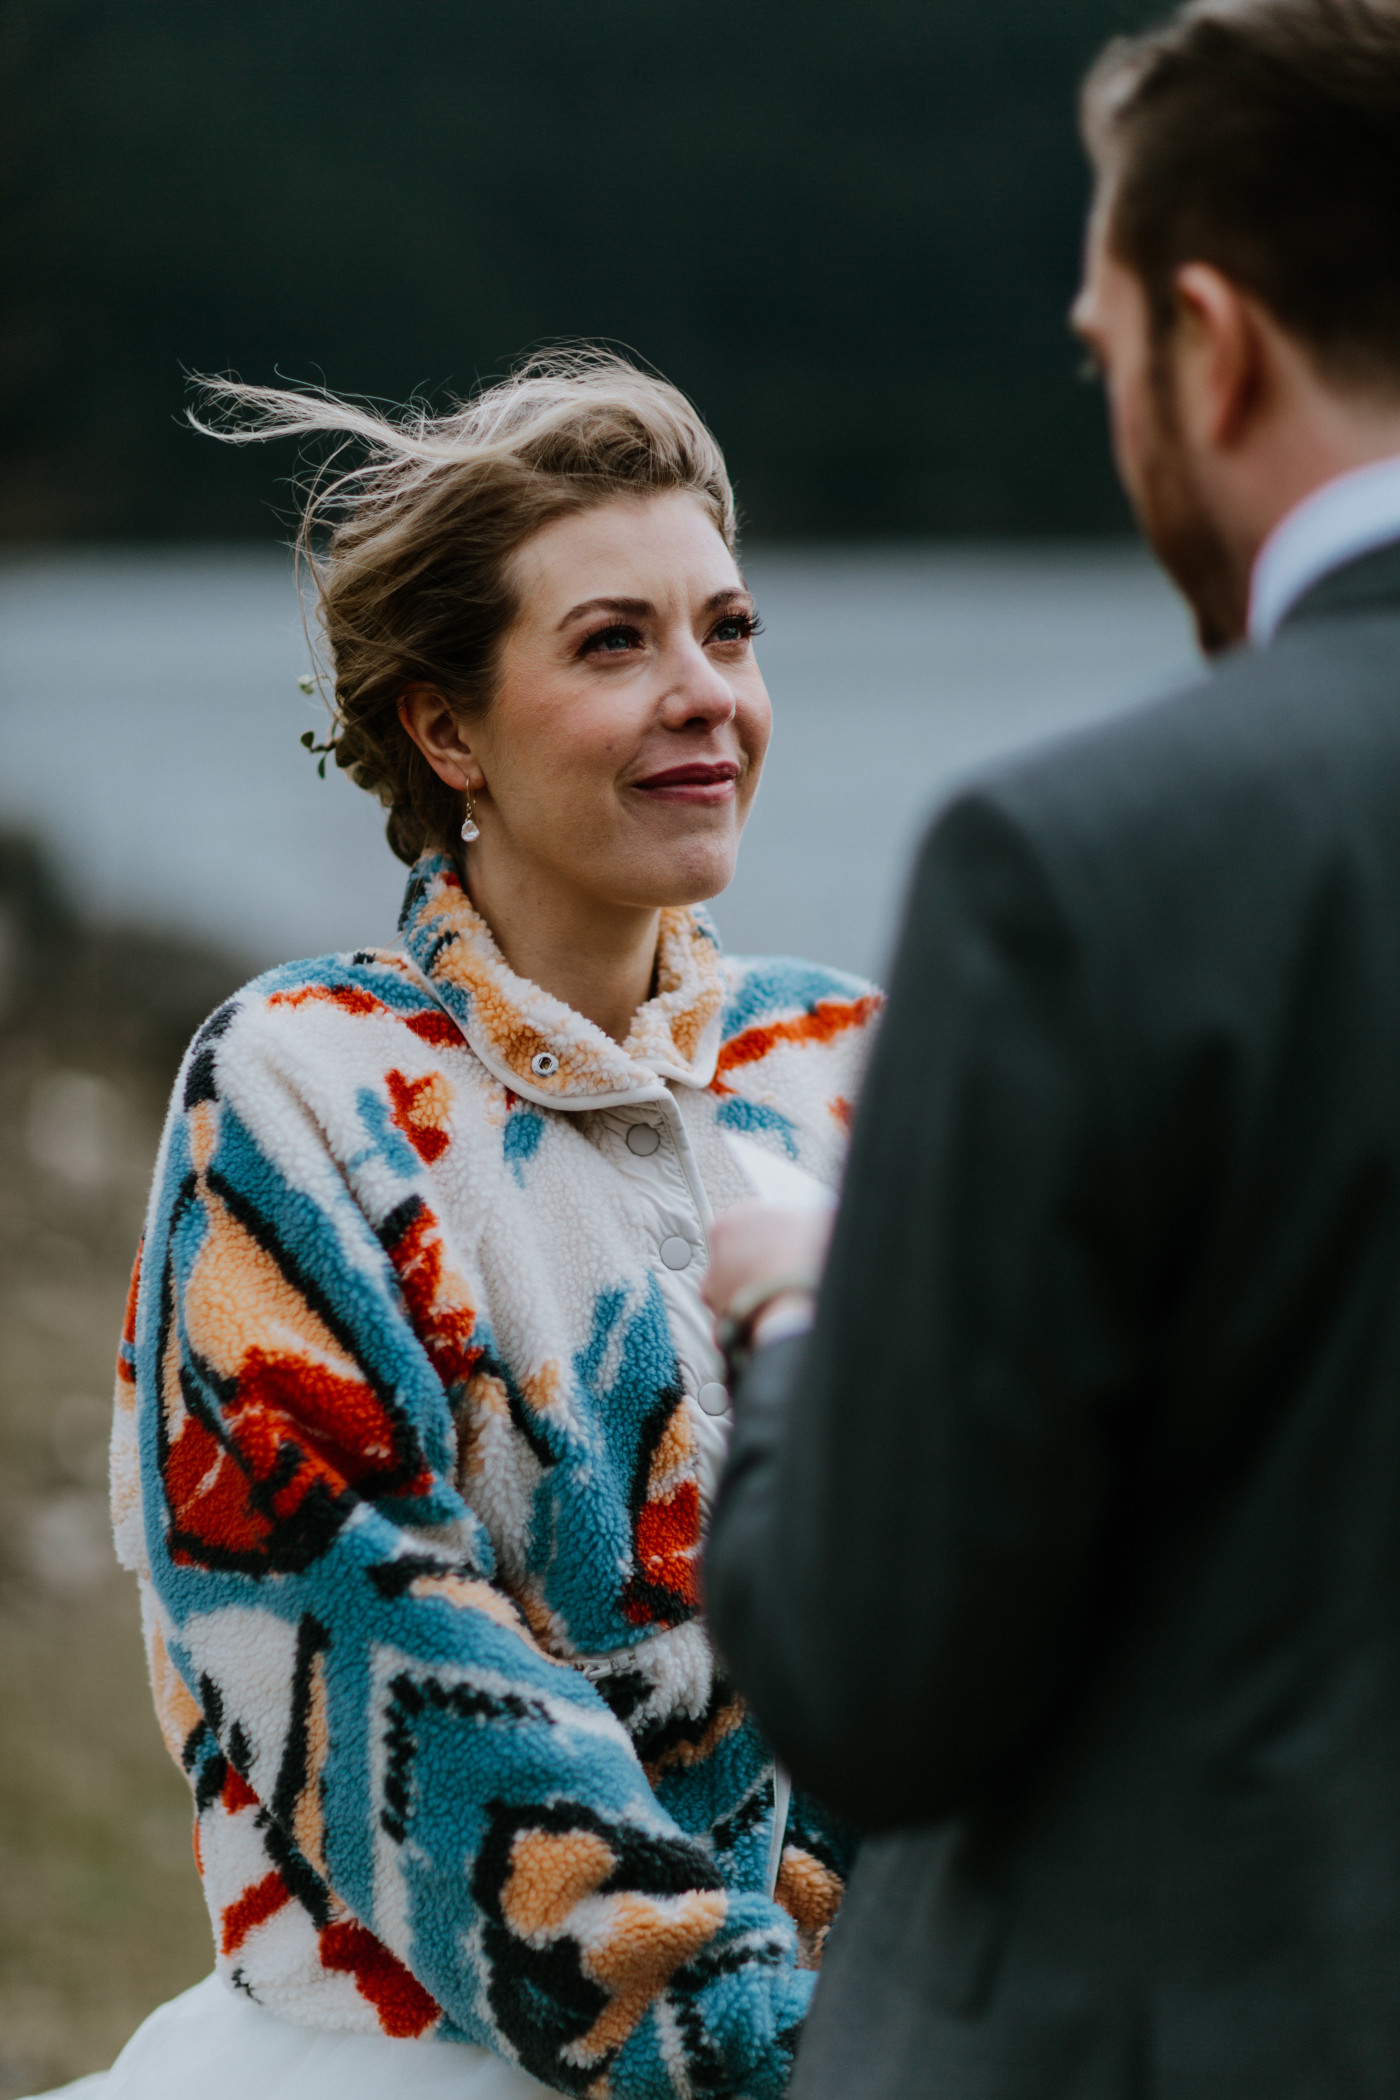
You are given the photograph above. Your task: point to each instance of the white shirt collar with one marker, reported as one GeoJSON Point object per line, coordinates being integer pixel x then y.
{"type": "Point", "coordinates": [1336, 524]}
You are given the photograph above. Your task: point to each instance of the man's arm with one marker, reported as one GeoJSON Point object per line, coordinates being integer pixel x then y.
{"type": "Point", "coordinates": [903, 1555]}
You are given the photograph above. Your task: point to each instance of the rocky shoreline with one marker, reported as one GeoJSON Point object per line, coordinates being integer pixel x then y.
{"type": "Point", "coordinates": [100, 1910]}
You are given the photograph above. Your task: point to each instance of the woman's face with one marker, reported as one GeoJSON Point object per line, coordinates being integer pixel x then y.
{"type": "Point", "coordinates": [622, 749]}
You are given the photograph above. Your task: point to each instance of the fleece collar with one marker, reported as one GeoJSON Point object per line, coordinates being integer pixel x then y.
{"type": "Point", "coordinates": [535, 1044]}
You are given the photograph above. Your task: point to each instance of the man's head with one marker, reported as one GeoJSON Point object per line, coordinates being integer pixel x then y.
{"type": "Point", "coordinates": [1242, 283]}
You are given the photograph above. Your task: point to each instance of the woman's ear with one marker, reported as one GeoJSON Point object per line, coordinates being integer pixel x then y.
{"type": "Point", "coordinates": [428, 718]}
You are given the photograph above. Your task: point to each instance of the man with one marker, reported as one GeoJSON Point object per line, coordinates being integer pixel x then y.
{"type": "Point", "coordinates": [1064, 1556]}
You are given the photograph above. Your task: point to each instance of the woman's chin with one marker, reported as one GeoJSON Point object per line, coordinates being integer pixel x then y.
{"type": "Point", "coordinates": [689, 872]}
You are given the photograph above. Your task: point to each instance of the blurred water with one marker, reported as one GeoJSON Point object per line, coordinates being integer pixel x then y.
{"type": "Point", "coordinates": [149, 719]}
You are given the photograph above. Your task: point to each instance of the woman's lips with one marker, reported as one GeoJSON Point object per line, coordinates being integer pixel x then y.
{"type": "Point", "coordinates": [692, 783]}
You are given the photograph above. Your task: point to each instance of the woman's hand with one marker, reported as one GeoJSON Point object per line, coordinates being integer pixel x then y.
{"type": "Point", "coordinates": [756, 1245]}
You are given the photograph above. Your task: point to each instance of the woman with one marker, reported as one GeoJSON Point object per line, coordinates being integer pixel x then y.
{"type": "Point", "coordinates": [419, 1407]}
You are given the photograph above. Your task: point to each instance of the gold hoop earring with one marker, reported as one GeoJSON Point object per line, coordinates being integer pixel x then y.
{"type": "Point", "coordinates": [471, 831]}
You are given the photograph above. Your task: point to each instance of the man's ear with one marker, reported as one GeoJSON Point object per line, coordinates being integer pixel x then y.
{"type": "Point", "coordinates": [1221, 358]}
{"type": "Point", "coordinates": [428, 718]}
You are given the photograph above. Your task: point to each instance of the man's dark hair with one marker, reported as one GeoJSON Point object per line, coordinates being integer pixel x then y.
{"type": "Point", "coordinates": [1263, 137]}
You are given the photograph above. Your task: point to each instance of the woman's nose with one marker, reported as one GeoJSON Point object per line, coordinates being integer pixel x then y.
{"type": "Point", "coordinates": [697, 690]}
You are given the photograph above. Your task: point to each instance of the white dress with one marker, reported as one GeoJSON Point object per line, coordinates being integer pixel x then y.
{"type": "Point", "coordinates": [212, 2043]}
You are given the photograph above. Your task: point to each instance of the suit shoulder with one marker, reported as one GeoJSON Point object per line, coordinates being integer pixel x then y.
{"type": "Point", "coordinates": [1200, 823]}
{"type": "Point", "coordinates": [1090, 772]}
{"type": "Point", "coordinates": [1258, 729]}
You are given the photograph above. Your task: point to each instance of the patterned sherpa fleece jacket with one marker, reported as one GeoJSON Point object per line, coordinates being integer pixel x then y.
{"type": "Point", "coordinates": [408, 1455]}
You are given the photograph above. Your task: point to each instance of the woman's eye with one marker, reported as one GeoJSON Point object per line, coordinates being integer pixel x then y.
{"type": "Point", "coordinates": [612, 641]}
{"type": "Point", "coordinates": [736, 627]}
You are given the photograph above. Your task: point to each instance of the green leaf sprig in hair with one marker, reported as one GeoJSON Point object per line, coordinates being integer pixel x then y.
{"type": "Point", "coordinates": [308, 742]}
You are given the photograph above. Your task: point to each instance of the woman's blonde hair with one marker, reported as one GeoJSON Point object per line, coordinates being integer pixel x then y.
{"type": "Point", "coordinates": [409, 548]}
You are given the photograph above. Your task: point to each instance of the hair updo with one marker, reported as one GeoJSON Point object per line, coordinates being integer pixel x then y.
{"type": "Point", "coordinates": [409, 551]}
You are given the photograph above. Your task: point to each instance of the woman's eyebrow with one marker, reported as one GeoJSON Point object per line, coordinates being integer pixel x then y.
{"type": "Point", "coordinates": [642, 608]}
{"type": "Point", "coordinates": [635, 608]}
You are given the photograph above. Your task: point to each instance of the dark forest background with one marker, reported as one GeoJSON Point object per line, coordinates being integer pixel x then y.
{"type": "Point", "coordinates": [850, 231]}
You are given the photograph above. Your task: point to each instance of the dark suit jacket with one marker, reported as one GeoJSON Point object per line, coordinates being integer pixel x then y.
{"type": "Point", "coordinates": [1065, 1556]}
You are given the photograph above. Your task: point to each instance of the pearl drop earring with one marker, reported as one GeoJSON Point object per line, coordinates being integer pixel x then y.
{"type": "Point", "coordinates": [471, 831]}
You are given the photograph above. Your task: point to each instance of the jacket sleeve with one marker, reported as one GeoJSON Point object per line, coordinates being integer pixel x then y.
{"type": "Point", "coordinates": [917, 1497]}
{"type": "Point", "coordinates": [425, 1772]}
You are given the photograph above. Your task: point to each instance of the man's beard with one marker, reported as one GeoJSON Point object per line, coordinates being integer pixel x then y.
{"type": "Point", "coordinates": [1181, 531]}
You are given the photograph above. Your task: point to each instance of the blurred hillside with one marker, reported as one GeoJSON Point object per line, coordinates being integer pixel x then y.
{"type": "Point", "coordinates": [100, 1911]}
{"type": "Point", "coordinates": [851, 233]}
